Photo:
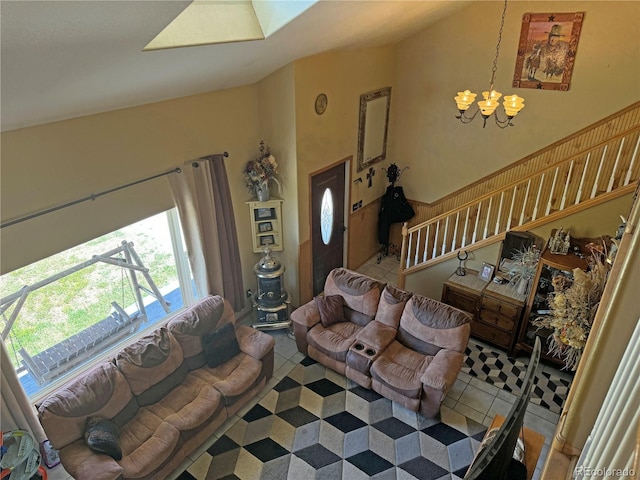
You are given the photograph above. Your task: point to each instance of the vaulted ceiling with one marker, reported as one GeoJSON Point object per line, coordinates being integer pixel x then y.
{"type": "Point", "coordinates": [63, 59]}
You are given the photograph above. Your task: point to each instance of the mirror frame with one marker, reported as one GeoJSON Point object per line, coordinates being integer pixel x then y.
{"type": "Point", "coordinates": [382, 126]}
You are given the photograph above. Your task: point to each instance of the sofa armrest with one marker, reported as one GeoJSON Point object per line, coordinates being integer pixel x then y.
{"type": "Point", "coordinates": [377, 335]}
{"type": "Point", "coordinates": [443, 370]}
{"type": "Point", "coordinates": [82, 463]}
{"type": "Point", "coordinates": [307, 315]}
{"type": "Point", "coordinates": [304, 319]}
{"type": "Point", "coordinates": [254, 342]}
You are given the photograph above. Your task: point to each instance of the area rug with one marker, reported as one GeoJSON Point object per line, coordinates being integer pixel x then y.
{"type": "Point", "coordinates": [316, 424]}
{"type": "Point", "coordinates": [494, 367]}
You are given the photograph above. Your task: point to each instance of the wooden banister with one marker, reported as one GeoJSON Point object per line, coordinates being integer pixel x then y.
{"type": "Point", "coordinates": [536, 190]}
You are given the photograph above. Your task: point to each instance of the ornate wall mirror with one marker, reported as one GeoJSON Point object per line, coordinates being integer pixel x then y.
{"type": "Point", "coordinates": [372, 130]}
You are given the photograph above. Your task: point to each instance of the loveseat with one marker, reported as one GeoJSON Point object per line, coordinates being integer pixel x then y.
{"type": "Point", "coordinates": [407, 347]}
{"type": "Point", "coordinates": [161, 394]}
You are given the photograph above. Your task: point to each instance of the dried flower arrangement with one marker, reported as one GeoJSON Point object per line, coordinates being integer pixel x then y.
{"type": "Point", "coordinates": [523, 268]}
{"type": "Point", "coordinates": [258, 172]}
{"type": "Point", "coordinates": [573, 306]}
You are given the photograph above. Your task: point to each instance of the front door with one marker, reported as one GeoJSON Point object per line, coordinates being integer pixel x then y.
{"type": "Point", "coordinates": [327, 223]}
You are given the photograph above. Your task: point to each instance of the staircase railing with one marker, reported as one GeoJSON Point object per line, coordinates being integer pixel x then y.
{"type": "Point", "coordinates": [596, 174]}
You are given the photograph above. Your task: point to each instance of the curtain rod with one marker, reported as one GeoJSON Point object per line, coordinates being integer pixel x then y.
{"type": "Point", "coordinates": [93, 196]}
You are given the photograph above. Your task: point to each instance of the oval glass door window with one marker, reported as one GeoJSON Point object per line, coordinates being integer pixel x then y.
{"type": "Point", "coordinates": [326, 216]}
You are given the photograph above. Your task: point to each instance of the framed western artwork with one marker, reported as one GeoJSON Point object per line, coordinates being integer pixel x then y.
{"type": "Point", "coordinates": [547, 50]}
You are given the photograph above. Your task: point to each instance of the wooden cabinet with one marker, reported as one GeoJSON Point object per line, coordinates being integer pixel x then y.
{"type": "Point", "coordinates": [497, 309]}
{"type": "Point", "coordinates": [549, 266]}
{"type": "Point", "coordinates": [464, 292]}
{"type": "Point", "coordinates": [266, 224]}
{"type": "Point", "coordinates": [500, 313]}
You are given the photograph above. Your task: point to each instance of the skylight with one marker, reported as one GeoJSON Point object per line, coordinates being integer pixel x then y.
{"type": "Point", "coordinates": [206, 22]}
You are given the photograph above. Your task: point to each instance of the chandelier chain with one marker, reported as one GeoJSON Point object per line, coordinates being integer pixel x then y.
{"type": "Point", "coordinates": [495, 60]}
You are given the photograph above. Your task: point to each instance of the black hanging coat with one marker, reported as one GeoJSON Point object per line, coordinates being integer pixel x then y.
{"type": "Point", "coordinates": [394, 208]}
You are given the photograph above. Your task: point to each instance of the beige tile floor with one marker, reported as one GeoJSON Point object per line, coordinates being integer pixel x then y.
{"type": "Point", "coordinates": [469, 396]}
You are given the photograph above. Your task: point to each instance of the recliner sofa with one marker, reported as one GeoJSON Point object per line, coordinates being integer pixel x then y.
{"type": "Point", "coordinates": [407, 347]}
{"type": "Point", "coordinates": [161, 394]}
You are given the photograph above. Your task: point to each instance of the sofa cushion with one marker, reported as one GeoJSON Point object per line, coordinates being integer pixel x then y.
{"type": "Point", "coordinates": [101, 392]}
{"type": "Point", "coordinates": [220, 345]}
{"type": "Point", "coordinates": [153, 366]}
{"type": "Point", "coordinates": [427, 326]}
{"type": "Point", "coordinates": [233, 378]}
{"type": "Point", "coordinates": [335, 340]}
{"type": "Point", "coordinates": [147, 442]}
{"type": "Point", "coordinates": [331, 309]}
{"type": "Point", "coordinates": [400, 369]}
{"type": "Point", "coordinates": [103, 436]}
{"type": "Point", "coordinates": [360, 293]}
{"type": "Point", "coordinates": [188, 327]}
{"type": "Point", "coordinates": [392, 303]}
{"type": "Point", "coordinates": [189, 405]}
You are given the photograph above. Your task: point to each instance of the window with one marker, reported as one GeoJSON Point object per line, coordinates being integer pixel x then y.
{"type": "Point", "coordinates": [326, 216]}
{"type": "Point", "coordinates": [68, 311]}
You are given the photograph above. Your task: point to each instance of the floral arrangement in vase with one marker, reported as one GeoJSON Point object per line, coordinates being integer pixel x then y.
{"type": "Point", "coordinates": [258, 173]}
{"type": "Point", "coordinates": [573, 305]}
{"type": "Point", "coordinates": [523, 268]}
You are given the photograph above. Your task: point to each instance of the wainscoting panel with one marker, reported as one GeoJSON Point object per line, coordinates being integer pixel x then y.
{"type": "Point", "coordinates": [363, 235]}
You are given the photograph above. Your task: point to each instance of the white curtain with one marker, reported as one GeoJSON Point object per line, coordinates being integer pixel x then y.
{"type": "Point", "coordinates": [16, 412]}
{"type": "Point", "coordinates": [201, 194]}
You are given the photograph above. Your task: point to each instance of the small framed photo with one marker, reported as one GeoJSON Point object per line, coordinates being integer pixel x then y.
{"type": "Point", "coordinates": [265, 213]}
{"type": "Point", "coordinates": [487, 271]}
{"type": "Point", "coordinates": [271, 317]}
{"type": "Point", "coordinates": [265, 227]}
{"type": "Point", "coordinates": [267, 240]}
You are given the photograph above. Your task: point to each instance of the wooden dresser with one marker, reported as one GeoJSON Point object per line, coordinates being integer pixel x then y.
{"type": "Point", "coordinates": [497, 309]}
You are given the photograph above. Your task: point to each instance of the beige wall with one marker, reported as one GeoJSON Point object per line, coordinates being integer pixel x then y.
{"type": "Point", "coordinates": [47, 165]}
{"type": "Point", "coordinates": [326, 139]}
{"type": "Point", "coordinates": [276, 99]}
{"type": "Point", "coordinates": [600, 220]}
{"type": "Point", "coordinates": [457, 53]}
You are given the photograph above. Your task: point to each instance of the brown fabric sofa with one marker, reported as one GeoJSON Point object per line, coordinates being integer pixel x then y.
{"type": "Point", "coordinates": [161, 394]}
{"type": "Point", "coordinates": [406, 347]}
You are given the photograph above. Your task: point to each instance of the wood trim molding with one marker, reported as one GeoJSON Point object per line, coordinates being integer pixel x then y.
{"type": "Point", "coordinates": [305, 272]}
{"type": "Point", "coordinates": [363, 235]}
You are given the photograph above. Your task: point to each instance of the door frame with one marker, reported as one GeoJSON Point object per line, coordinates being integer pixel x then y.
{"type": "Point", "coordinates": [347, 161]}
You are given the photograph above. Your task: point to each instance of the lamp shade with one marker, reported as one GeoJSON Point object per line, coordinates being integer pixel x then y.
{"type": "Point", "coordinates": [513, 104]}
{"type": "Point", "coordinates": [464, 100]}
{"type": "Point", "coordinates": [490, 102]}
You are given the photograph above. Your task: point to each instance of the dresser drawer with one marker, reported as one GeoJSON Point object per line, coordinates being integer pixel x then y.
{"type": "Point", "coordinates": [491, 334]}
{"type": "Point", "coordinates": [497, 320]}
{"type": "Point", "coordinates": [498, 306]}
{"type": "Point", "coordinates": [462, 299]}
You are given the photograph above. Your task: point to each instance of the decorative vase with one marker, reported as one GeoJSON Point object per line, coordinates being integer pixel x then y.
{"type": "Point", "coordinates": [262, 191]}
{"type": "Point", "coordinates": [523, 286]}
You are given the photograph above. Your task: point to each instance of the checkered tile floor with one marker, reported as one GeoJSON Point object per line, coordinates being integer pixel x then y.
{"type": "Point", "coordinates": [494, 367]}
{"type": "Point", "coordinates": [317, 424]}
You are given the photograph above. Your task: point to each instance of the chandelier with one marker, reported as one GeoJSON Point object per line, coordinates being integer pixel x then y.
{"type": "Point", "coordinates": [512, 103]}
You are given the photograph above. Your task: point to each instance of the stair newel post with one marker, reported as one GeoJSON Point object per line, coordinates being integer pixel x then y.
{"type": "Point", "coordinates": [403, 255]}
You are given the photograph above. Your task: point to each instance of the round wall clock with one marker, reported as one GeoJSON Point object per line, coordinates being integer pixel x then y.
{"type": "Point", "coordinates": [321, 103]}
